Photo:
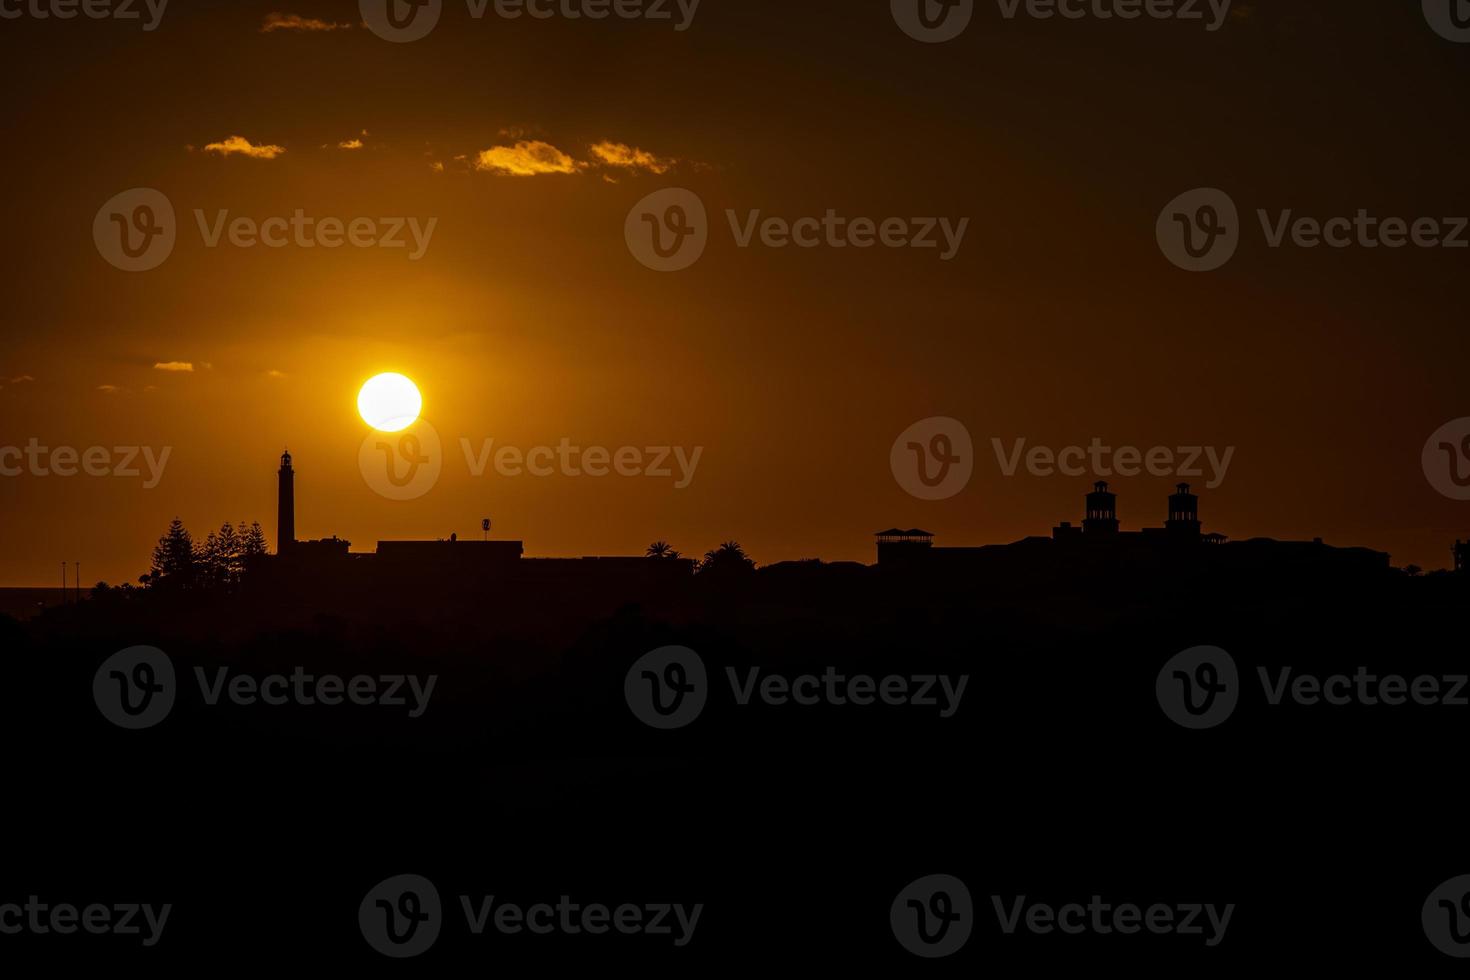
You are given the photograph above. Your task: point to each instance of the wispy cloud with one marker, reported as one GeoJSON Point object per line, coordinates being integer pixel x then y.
{"type": "Point", "coordinates": [242, 146]}
{"type": "Point", "coordinates": [630, 157]}
{"type": "Point", "coordinates": [276, 21]}
{"type": "Point", "coordinates": [531, 157]}
{"type": "Point", "coordinates": [180, 366]}
{"type": "Point", "coordinates": [22, 379]}
{"type": "Point", "coordinates": [275, 375]}
{"type": "Point", "coordinates": [352, 144]}
{"type": "Point", "coordinates": [526, 158]}
{"type": "Point", "coordinates": [109, 389]}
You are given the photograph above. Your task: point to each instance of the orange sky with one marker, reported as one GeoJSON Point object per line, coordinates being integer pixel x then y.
{"type": "Point", "coordinates": [526, 320]}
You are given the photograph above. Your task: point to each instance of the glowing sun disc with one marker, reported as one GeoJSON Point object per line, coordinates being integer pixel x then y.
{"type": "Point", "coordinates": [389, 402]}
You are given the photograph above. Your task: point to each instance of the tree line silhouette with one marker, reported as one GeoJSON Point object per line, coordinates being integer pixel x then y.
{"type": "Point", "coordinates": [727, 559]}
{"type": "Point", "coordinates": [218, 563]}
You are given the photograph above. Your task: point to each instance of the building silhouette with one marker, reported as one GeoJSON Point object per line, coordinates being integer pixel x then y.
{"type": "Point", "coordinates": [445, 568]}
{"type": "Point", "coordinates": [1099, 538]}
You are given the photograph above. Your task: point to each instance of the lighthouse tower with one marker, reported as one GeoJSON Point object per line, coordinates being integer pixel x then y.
{"type": "Point", "coordinates": [1183, 519]}
{"type": "Point", "coordinates": [286, 506]}
{"type": "Point", "coordinates": [1102, 511]}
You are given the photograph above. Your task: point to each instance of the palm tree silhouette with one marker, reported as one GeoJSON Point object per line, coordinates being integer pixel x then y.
{"type": "Point", "coordinates": [661, 549]}
{"type": "Point", "coordinates": [727, 558]}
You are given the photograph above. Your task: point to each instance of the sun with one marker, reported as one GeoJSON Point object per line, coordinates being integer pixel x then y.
{"type": "Point", "coordinates": [389, 402]}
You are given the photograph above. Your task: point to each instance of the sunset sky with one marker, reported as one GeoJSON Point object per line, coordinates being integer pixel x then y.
{"type": "Point", "coordinates": [528, 321]}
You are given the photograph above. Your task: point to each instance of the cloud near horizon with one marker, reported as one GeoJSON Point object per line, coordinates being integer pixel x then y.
{"type": "Point", "coordinates": [180, 366]}
{"type": "Point", "coordinates": [630, 157]}
{"type": "Point", "coordinates": [530, 158]}
{"type": "Point", "coordinates": [527, 158]}
{"type": "Point", "coordinates": [242, 146]}
{"type": "Point", "coordinates": [276, 21]}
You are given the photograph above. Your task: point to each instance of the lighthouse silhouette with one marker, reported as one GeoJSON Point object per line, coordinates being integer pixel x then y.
{"type": "Point", "coordinates": [286, 506]}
